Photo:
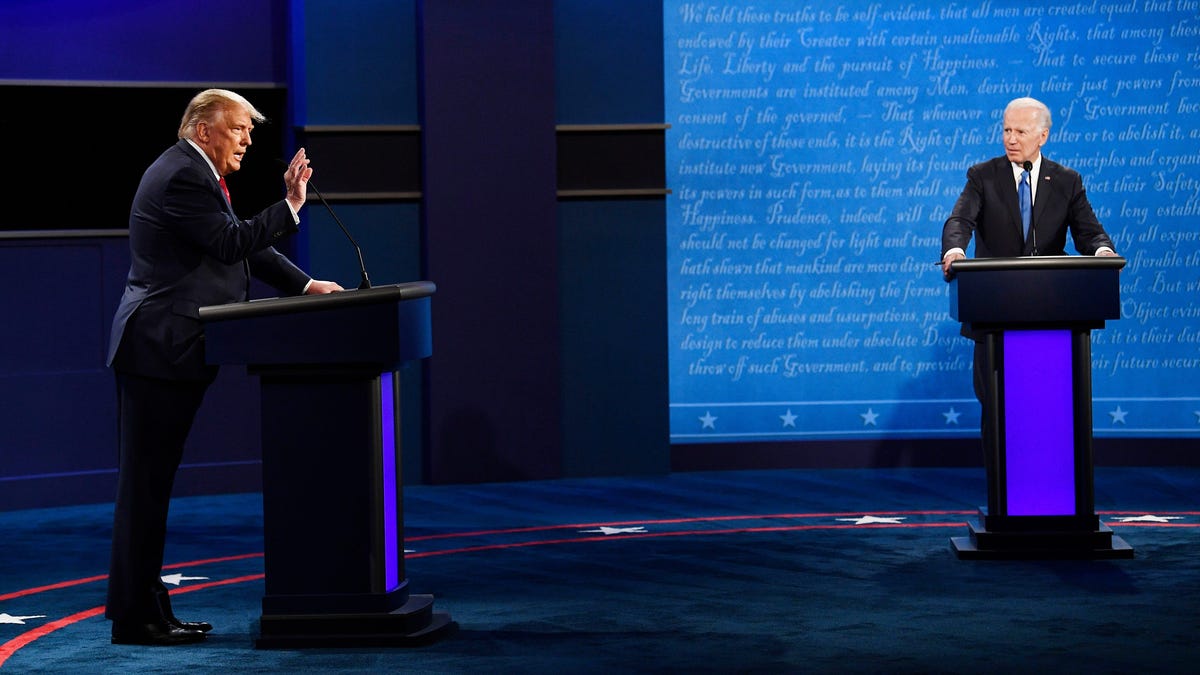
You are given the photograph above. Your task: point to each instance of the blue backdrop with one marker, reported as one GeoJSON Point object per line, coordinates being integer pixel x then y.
{"type": "Point", "coordinates": [814, 153]}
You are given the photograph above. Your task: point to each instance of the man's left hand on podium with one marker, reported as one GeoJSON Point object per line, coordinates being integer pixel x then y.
{"type": "Point", "coordinates": [318, 287]}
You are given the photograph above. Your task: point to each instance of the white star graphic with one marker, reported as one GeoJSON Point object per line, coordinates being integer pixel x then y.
{"type": "Point", "coordinates": [869, 417]}
{"type": "Point", "coordinates": [18, 620]}
{"type": "Point", "coordinates": [873, 520]}
{"type": "Point", "coordinates": [789, 420]}
{"type": "Point", "coordinates": [175, 579]}
{"type": "Point", "coordinates": [951, 416]}
{"type": "Point", "coordinates": [1146, 519]}
{"type": "Point", "coordinates": [708, 421]}
{"type": "Point", "coordinates": [1118, 415]}
{"type": "Point", "coordinates": [605, 530]}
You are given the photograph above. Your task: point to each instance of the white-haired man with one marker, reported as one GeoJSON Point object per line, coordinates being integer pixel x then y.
{"type": "Point", "coordinates": [188, 249]}
{"type": "Point", "coordinates": [1020, 204]}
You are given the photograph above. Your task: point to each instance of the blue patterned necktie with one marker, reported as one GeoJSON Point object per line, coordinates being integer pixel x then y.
{"type": "Point", "coordinates": [1026, 202]}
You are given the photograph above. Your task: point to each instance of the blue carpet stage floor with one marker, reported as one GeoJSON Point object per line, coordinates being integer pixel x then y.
{"type": "Point", "coordinates": [779, 571]}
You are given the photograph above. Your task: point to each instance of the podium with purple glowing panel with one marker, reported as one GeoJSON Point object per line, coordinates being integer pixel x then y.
{"type": "Point", "coordinates": [1034, 317]}
{"type": "Point", "coordinates": [333, 516]}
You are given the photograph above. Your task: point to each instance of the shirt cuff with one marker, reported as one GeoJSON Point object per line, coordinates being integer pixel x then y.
{"type": "Point", "coordinates": [1103, 248]}
{"type": "Point", "coordinates": [955, 250]}
{"type": "Point", "coordinates": [295, 216]}
{"type": "Point", "coordinates": [305, 289]}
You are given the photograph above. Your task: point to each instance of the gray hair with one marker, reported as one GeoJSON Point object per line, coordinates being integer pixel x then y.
{"type": "Point", "coordinates": [1026, 102]}
{"type": "Point", "coordinates": [211, 103]}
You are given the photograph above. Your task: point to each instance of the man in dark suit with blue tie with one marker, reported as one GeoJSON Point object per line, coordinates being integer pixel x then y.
{"type": "Point", "coordinates": [990, 204]}
{"type": "Point", "coordinates": [188, 249]}
{"type": "Point", "coordinates": [1018, 205]}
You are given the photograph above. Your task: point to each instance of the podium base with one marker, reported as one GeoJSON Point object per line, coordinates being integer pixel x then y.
{"type": "Point", "coordinates": [1050, 543]}
{"type": "Point", "coordinates": [415, 624]}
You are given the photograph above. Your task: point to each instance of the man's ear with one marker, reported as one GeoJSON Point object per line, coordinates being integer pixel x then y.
{"type": "Point", "coordinates": [202, 132]}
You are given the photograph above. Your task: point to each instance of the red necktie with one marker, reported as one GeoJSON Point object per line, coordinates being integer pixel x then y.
{"type": "Point", "coordinates": [225, 189]}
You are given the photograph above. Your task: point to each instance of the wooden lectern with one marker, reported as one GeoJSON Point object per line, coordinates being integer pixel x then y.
{"type": "Point", "coordinates": [332, 495]}
{"type": "Point", "coordinates": [1036, 315]}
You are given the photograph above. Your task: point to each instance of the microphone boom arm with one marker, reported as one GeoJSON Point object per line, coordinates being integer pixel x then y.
{"type": "Point", "coordinates": [362, 267]}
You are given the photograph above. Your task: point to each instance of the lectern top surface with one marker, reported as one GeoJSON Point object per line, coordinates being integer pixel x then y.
{"type": "Point", "coordinates": [1042, 262]}
{"type": "Point", "coordinates": [307, 303]}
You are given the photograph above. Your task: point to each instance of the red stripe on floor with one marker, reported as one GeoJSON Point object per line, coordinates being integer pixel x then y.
{"type": "Point", "coordinates": [28, 637]}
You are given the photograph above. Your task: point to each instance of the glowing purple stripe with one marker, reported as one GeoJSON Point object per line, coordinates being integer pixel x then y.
{"type": "Point", "coordinates": [1039, 423]}
{"type": "Point", "coordinates": [391, 550]}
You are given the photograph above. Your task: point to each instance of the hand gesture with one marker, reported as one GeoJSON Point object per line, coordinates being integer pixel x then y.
{"type": "Point", "coordinates": [296, 179]}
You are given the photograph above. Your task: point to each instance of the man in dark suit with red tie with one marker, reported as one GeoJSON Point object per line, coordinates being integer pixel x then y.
{"type": "Point", "coordinates": [1018, 205]}
{"type": "Point", "coordinates": [188, 249]}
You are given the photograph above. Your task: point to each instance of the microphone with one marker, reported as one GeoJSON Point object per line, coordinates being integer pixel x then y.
{"type": "Point", "coordinates": [362, 267]}
{"type": "Point", "coordinates": [1028, 166]}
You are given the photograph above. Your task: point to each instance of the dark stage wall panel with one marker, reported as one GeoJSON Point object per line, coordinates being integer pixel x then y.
{"type": "Point", "coordinates": [58, 416]}
{"type": "Point", "coordinates": [58, 398]}
{"type": "Point", "coordinates": [134, 40]}
{"type": "Point", "coordinates": [491, 241]}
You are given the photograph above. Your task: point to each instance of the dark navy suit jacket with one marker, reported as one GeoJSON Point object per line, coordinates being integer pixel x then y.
{"type": "Point", "coordinates": [188, 250]}
{"type": "Point", "coordinates": [988, 209]}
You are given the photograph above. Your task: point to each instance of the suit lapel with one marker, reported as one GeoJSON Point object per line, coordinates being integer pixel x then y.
{"type": "Point", "coordinates": [1008, 194]}
{"type": "Point", "coordinates": [208, 172]}
{"type": "Point", "coordinates": [220, 194]}
{"type": "Point", "coordinates": [1044, 193]}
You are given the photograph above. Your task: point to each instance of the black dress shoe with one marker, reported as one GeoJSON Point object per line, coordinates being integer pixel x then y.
{"type": "Point", "coordinates": [202, 626]}
{"type": "Point", "coordinates": [164, 610]}
{"type": "Point", "coordinates": [154, 634]}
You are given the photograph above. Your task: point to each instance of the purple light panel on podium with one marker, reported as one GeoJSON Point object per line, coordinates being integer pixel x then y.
{"type": "Point", "coordinates": [387, 404]}
{"type": "Point", "coordinates": [1039, 423]}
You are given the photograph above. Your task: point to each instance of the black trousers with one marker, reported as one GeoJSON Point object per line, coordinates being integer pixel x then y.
{"type": "Point", "coordinates": [154, 419]}
{"type": "Point", "coordinates": [984, 392]}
